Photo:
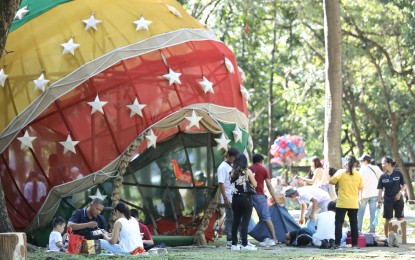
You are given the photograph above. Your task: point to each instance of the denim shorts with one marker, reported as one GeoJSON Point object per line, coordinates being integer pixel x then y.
{"type": "Point", "coordinates": [261, 206]}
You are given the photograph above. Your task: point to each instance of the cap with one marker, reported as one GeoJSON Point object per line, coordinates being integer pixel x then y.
{"type": "Point", "coordinates": [233, 151]}
{"type": "Point", "coordinates": [365, 157]}
{"type": "Point", "coordinates": [289, 192]}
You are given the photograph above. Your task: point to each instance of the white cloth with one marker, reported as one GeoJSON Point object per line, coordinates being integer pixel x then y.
{"type": "Point", "coordinates": [130, 237]}
{"type": "Point", "coordinates": [325, 227]}
{"type": "Point", "coordinates": [370, 180]}
{"type": "Point", "coordinates": [54, 238]}
{"type": "Point", "coordinates": [223, 177]}
{"type": "Point", "coordinates": [306, 193]}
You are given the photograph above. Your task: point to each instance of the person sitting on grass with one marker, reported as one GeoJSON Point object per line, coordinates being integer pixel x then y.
{"type": "Point", "coordinates": [125, 237]}
{"type": "Point", "coordinates": [55, 237]}
{"type": "Point", "coordinates": [145, 233]}
{"type": "Point", "coordinates": [84, 221]}
{"type": "Point", "coordinates": [325, 228]}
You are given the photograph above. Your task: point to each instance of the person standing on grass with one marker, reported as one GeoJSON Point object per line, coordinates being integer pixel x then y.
{"type": "Point", "coordinates": [260, 201]}
{"type": "Point", "coordinates": [393, 183]}
{"type": "Point", "coordinates": [349, 183]}
{"type": "Point", "coordinates": [241, 201]}
{"type": "Point", "coordinates": [224, 182]}
{"type": "Point", "coordinates": [369, 195]}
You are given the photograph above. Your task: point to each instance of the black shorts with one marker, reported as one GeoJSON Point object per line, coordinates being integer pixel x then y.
{"type": "Point", "coordinates": [391, 205]}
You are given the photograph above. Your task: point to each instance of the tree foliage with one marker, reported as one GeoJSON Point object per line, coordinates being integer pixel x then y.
{"type": "Point", "coordinates": [378, 42]}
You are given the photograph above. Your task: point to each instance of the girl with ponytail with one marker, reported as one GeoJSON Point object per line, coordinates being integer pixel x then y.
{"type": "Point", "coordinates": [126, 236]}
{"type": "Point", "coordinates": [349, 183]}
{"type": "Point", "coordinates": [392, 185]}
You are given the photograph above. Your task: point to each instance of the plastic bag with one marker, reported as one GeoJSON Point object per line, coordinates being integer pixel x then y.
{"type": "Point", "coordinates": [376, 220]}
{"type": "Point", "coordinates": [75, 242]}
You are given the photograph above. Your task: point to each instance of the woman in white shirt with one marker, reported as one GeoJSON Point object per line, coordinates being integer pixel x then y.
{"type": "Point", "coordinates": [317, 177]}
{"type": "Point", "coordinates": [126, 235]}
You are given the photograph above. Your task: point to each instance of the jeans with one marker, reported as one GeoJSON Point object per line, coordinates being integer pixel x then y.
{"type": "Point", "coordinates": [114, 248]}
{"type": "Point", "coordinates": [242, 211]}
{"type": "Point", "coordinates": [228, 223]}
{"type": "Point", "coordinates": [361, 213]}
{"type": "Point", "coordinates": [340, 213]}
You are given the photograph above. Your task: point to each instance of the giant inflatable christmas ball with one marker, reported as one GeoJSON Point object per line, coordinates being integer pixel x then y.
{"type": "Point", "coordinates": [85, 84]}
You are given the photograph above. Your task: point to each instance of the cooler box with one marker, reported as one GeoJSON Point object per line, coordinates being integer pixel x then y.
{"type": "Point", "coordinates": [361, 240]}
{"type": "Point", "coordinates": [399, 227]}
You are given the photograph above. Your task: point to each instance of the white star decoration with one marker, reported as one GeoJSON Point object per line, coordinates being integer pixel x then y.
{"type": "Point", "coordinates": [26, 140]}
{"type": "Point", "coordinates": [174, 11]}
{"type": "Point", "coordinates": [21, 13]}
{"type": "Point", "coordinates": [245, 93]}
{"type": "Point", "coordinates": [142, 24]}
{"type": "Point", "coordinates": [237, 134]}
{"type": "Point", "coordinates": [173, 77]}
{"type": "Point", "coordinates": [222, 142]}
{"type": "Point", "coordinates": [193, 120]}
{"type": "Point", "coordinates": [151, 139]}
{"type": "Point", "coordinates": [229, 65]}
{"type": "Point", "coordinates": [69, 47]}
{"type": "Point", "coordinates": [69, 145]}
{"type": "Point", "coordinates": [41, 82]}
{"type": "Point", "coordinates": [97, 105]}
{"type": "Point", "coordinates": [3, 77]}
{"type": "Point", "coordinates": [136, 108]}
{"type": "Point", "coordinates": [206, 85]}
{"type": "Point", "coordinates": [91, 23]}
{"type": "Point", "coordinates": [98, 195]}
{"type": "Point", "coordinates": [243, 77]}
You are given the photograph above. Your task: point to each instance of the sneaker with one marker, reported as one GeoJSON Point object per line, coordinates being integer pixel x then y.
{"type": "Point", "coordinates": [248, 247]}
{"type": "Point", "coordinates": [228, 244]}
{"type": "Point", "coordinates": [249, 244]}
{"type": "Point", "coordinates": [267, 242]}
{"type": "Point", "coordinates": [331, 243]}
{"type": "Point", "coordinates": [237, 247]}
{"type": "Point", "coordinates": [324, 244]}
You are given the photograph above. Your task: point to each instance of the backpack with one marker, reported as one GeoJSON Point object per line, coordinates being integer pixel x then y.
{"type": "Point", "coordinates": [370, 240]}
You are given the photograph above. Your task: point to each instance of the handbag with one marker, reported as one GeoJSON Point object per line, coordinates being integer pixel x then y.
{"type": "Point", "coordinates": [249, 188]}
{"type": "Point", "coordinates": [74, 243]}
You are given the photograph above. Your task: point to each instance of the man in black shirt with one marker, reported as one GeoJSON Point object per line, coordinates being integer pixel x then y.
{"type": "Point", "coordinates": [84, 221]}
{"type": "Point", "coordinates": [393, 183]}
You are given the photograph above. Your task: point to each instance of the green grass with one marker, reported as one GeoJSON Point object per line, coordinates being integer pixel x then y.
{"type": "Point", "coordinates": [281, 252]}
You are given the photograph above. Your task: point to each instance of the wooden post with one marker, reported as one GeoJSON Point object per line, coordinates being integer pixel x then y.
{"type": "Point", "coordinates": [13, 246]}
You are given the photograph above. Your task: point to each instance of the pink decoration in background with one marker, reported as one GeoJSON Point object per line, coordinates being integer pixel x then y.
{"type": "Point", "coordinates": [287, 149]}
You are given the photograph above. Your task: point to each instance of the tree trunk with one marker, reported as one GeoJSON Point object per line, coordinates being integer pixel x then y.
{"type": "Point", "coordinates": [5, 224]}
{"type": "Point", "coordinates": [13, 246]}
{"type": "Point", "coordinates": [271, 83]}
{"type": "Point", "coordinates": [334, 90]}
{"type": "Point", "coordinates": [8, 9]}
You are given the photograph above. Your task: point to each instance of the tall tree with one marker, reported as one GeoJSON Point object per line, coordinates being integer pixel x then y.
{"type": "Point", "coordinates": [334, 90]}
{"type": "Point", "coordinates": [8, 9]}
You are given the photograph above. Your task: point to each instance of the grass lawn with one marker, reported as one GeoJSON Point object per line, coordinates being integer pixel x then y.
{"type": "Point", "coordinates": [216, 250]}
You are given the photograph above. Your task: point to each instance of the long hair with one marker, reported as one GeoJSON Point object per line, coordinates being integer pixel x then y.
{"type": "Point", "coordinates": [239, 165]}
{"type": "Point", "coordinates": [317, 164]}
{"type": "Point", "coordinates": [351, 161]}
{"type": "Point", "coordinates": [389, 160]}
{"type": "Point", "coordinates": [121, 207]}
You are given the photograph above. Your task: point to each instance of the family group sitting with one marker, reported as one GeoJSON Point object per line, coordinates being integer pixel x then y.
{"type": "Point", "coordinates": [128, 233]}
